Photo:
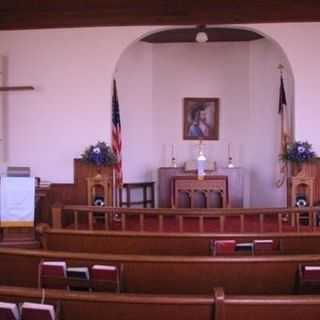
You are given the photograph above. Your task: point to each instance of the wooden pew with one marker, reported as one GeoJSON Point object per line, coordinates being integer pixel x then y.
{"type": "Point", "coordinates": [98, 306]}
{"type": "Point", "coordinates": [217, 306]}
{"type": "Point", "coordinates": [154, 243]}
{"type": "Point", "coordinates": [170, 274]}
{"type": "Point", "coordinates": [306, 307]}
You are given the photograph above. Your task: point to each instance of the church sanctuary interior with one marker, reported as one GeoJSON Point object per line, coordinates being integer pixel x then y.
{"type": "Point", "coordinates": [159, 159]}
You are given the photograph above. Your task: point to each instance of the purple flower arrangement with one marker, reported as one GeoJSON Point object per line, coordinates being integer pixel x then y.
{"type": "Point", "coordinates": [298, 152]}
{"type": "Point", "coordinates": [99, 154]}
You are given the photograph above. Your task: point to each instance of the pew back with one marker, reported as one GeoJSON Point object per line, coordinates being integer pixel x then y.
{"type": "Point", "coordinates": [97, 306]}
{"type": "Point", "coordinates": [271, 307]}
{"type": "Point", "coordinates": [217, 306]}
{"type": "Point", "coordinates": [170, 275]}
{"type": "Point", "coordinates": [186, 244]}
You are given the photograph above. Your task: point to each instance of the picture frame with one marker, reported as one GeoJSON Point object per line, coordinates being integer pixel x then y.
{"type": "Point", "coordinates": [201, 118]}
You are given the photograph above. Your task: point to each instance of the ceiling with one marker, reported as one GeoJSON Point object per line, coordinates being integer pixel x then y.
{"type": "Point", "coordinates": [28, 14]}
{"type": "Point", "coordinates": [189, 35]}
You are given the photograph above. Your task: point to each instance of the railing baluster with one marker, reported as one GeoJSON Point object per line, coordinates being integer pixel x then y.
{"type": "Point", "coordinates": [180, 219]}
{"type": "Point", "coordinates": [261, 222]}
{"type": "Point", "coordinates": [201, 223]}
{"type": "Point", "coordinates": [280, 222]}
{"type": "Point", "coordinates": [141, 220]}
{"type": "Point", "coordinates": [76, 220]}
{"type": "Point", "coordinates": [90, 218]}
{"type": "Point", "coordinates": [314, 220]}
{"type": "Point", "coordinates": [310, 216]}
{"type": "Point", "coordinates": [242, 223]}
{"type": "Point", "coordinates": [221, 220]}
{"type": "Point", "coordinates": [123, 221]}
{"type": "Point", "coordinates": [160, 223]}
{"type": "Point", "coordinates": [106, 220]}
{"type": "Point", "coordinates": [292, 218]}
{"type": "Point", "coordinates": [297, 219]}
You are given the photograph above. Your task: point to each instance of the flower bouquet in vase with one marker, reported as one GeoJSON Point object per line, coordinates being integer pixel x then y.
{"type": "Point", "coordinates": [298, 153]}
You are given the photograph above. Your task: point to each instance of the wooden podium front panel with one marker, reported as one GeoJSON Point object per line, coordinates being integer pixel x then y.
{"type": "Point", "coordinates": [77, 193]}
{"type": "Point", "coordinates": [195, 188]}
{"type": "Point", "coordinates": [235, 184]}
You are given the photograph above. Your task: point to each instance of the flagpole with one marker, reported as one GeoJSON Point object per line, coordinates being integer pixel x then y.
{"type": "Point", "coordinates": [281, 68]}
{"type": "Point", "coordinates": [283, 136]}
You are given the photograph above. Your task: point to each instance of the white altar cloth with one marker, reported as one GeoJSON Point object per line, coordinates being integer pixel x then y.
{"type": "Point", "coordinates": [17, 201]}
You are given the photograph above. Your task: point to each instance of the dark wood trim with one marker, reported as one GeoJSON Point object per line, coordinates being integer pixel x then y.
{"type": "Point", "coordinates": [105, 297]}
{"type": "Point", "coordinates": [30, 14]}
{"type": "Point", "coordinates": [177, 235]}
{"type": "Point", "coordinates": [17, 88]}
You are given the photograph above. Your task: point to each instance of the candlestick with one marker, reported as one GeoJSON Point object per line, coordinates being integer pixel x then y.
{"type": "Point", "coordinates": [173, 159]}
{"type": "Point", "coordinates": [230, 163]}
{"type": "Point", "coordinates": [201, 162]}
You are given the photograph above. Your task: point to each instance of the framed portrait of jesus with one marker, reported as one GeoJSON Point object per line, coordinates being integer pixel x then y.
{"type": "Point", "coordinates": [201, 118]}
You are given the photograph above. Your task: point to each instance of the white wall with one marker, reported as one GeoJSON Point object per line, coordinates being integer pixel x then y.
{"type": "Point", "coordinates": [244, 76]}
{"type": "Point", "coordinates": [134, 80]}
{"type": "Point", "coordinates": [300, 44]}
{"type": "Point", "coordinates": [264, 123]}
{"type": "Point", "coordinates": [72, 71]}
{"type": "Point", "coordinates": [191, 70]}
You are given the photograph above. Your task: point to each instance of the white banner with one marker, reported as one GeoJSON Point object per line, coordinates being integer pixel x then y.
{"type": "Point", "coordinates": [17, 197]}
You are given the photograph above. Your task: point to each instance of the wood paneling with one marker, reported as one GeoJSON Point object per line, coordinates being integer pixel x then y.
{"type": "Point", "coordinates": [28, 14]}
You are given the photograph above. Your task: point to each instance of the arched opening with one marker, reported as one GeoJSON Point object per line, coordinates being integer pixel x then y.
{"type": "Point", "coordinates": [239, 67]}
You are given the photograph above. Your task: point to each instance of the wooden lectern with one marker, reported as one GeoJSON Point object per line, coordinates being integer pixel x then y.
{"type": "Point", "coordinates": [99, 186]}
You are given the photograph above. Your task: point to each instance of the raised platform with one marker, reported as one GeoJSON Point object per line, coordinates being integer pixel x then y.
{"type": "Point", "coordinates": [23, 238]}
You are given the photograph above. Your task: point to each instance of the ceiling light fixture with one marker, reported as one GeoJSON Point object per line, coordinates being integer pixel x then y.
{"type": "Point", "coordinates": [202, 36]}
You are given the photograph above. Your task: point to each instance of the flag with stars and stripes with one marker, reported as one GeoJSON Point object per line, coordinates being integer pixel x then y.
{"type": "Point", "coordinates": [116, 135]}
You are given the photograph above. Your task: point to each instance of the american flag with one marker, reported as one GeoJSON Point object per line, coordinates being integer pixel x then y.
{"type": "Point", "coordinates": [116, 134]}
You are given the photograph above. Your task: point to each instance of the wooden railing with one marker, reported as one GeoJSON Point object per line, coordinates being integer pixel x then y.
{"type": "Point", "coordinates": [280, 217]}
